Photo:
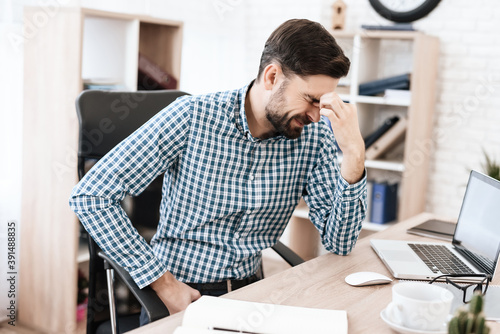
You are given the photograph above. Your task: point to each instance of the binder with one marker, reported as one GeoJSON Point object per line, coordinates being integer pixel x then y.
{"type": "Point", "coordinates": [384, 202]}
{"type": "Point", "coordinates": [372, 138]}
{"type": "Point", "coordinates": [379, 86]}
{"type": "Point", "coordinates": [388, 140]}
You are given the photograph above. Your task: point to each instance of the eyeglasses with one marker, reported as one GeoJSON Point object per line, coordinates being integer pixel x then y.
{"type": "Point", "coordinates": [480, 286]}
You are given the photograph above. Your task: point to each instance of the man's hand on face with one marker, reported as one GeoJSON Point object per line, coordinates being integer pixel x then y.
{"type": "Point", "coordinates": [344, 120]}
{"type": "Point", "coordinates": [174, 294]}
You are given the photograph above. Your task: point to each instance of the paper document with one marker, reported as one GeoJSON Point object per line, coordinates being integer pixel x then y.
{"type": "Point", "coordinates": [213, 315]}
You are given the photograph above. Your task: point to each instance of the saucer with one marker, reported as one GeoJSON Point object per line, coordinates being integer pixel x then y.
{"type": "Point", "coordinates": [405, 330]}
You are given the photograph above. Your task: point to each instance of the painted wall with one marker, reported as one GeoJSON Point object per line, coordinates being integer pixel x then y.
{"type": "Point", "coordinates": [223, 40]}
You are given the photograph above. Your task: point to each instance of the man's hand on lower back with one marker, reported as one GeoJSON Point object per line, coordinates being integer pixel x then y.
{"type": "Point", "coordinates": [174, 294]}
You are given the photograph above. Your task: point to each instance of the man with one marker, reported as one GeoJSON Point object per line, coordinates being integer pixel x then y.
{"type": "Point", "coordinates": [236, 164]}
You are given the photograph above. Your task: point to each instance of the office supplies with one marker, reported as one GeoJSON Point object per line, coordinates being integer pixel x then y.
{"type": "Point", "coordinates": [372, 137]}
{"type": "Point", "coordinates": [364, 278]}
{"type": "Point", "coordinates": [434, 228]}
{"type": "Point", "coordinates": [388, 140]}
{"type": "Point", "coordinates": [380, 85]}
{"type": "Point", "coordinates": [213, 315]}
{"type": "Point", "coordinates": [398, 95]}
{"type": "Point", "coordinates": [384, 202]}
{"type": "Point", "coordinates": [393, 27]}
{"type": "Point", "coordinates": [475, 246]}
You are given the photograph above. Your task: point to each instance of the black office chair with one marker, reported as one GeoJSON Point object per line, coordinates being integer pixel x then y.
{"type": "Point", "coordinates": [106, 118]}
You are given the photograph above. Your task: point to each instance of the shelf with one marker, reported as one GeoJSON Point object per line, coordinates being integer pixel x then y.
{"type": "Point", "coordinates": [377, 34]}
{"type": "Point", "coordinates": [119, 38]}
{"type": "Point", "coordinates": [387, 34]}
{"type": "Point", "coordinates": [304, 213]}
{"type": "Point", "coordinates": [382, 100]}
{"type": "Point", "coordinates": [376, 227]}
{"type": "Point", "coordinates": [395, 166]}
{"type": "Point", "coordinates": [385, 165]}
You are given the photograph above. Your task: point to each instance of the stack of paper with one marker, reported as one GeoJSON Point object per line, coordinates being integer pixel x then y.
{"type": "Point", "coordinates": [211, 315]}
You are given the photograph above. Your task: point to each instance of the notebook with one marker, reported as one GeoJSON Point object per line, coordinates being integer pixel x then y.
{"type": "Point", "coordinates": [473, 250]}
{"type": "Point", "coordinates": [434, 228]}
{"type": "Point", "coordinates": [211, 315]}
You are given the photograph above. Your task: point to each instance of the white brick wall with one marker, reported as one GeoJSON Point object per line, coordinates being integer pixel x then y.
{"type": "Point", "coordinates": [468, 104]}
{"type": "Point", "coordinates": [223, 40]}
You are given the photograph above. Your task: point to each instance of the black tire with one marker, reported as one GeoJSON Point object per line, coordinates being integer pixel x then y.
{"type": "Point", "coordinates": [404, 17]}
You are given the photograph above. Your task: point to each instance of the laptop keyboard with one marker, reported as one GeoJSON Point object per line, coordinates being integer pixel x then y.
{"type": "Point", "coordinates": [439, 259]}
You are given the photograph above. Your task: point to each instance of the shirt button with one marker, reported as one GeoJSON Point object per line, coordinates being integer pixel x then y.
{"type": "Point", "coordinates": [251, 177]}
{"type": "Point", "coordinates": [248, 212]}
{"type": "Point", "coordinates": [236, 235]}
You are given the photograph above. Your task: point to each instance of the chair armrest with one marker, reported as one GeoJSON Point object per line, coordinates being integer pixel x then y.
{"type": "Point", "coordinates": [147, 297]}
{"type": "Point", "coordinates": [287, 254]}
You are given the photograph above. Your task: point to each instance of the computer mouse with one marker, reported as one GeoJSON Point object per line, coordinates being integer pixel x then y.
{"type": "Point", "coordinates": [364, 278]}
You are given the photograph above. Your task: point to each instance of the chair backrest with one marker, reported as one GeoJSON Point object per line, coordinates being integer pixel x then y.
{"type": "Point", "coordinates": [106, 118]}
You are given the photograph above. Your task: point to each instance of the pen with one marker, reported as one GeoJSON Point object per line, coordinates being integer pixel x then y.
{"type": "Point", "coordinates": [231, 330]}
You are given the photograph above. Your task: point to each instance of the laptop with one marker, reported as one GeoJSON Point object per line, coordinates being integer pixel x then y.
{"type": "Point", "coordinates": [475, 246]}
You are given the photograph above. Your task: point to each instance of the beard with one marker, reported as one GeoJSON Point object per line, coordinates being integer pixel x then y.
{"type": "Point", "coordinates": [283, 123]}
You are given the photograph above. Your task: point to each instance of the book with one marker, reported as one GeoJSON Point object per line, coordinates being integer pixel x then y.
{"type": "Point", "coordinates": [212, 315]}
{"type": "Point", "coordinates": [384, 202]}
{"type": "Point", "coordinates": [375, 135]}
{"type": "Point", "coordinates": [398, 94]}
{"type": "Point", "coordinates": [153, 77]}
{"type": "Point", "coordinates": [388, 140]}
{"type": "Point", "coordinates": [103, 84]}
{"type": "Point", "coordinates": [433, 228]}
{"type": "Point", "coordinates": [393, 27]}
{"type": "Point", "coordinates": [379, 86]}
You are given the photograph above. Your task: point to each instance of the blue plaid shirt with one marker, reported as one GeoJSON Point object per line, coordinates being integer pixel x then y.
{"type": "Point", "coordinates": [226, 195]}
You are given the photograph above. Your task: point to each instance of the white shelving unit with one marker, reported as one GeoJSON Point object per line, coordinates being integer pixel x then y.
{"type": "Point", "coordinates": [76, 44]}
{"type": "Point", "coordinates": [376, 55]}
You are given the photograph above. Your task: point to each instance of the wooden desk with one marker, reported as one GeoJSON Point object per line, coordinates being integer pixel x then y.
{"type": "Point", "coordinates": [320, 283]}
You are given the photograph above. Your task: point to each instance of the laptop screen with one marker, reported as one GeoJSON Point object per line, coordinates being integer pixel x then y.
{"type": "Point", "coordinates": [478, 227]}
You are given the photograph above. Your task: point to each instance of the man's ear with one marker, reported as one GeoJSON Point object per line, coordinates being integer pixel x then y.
{"type": "Point", "coordinates": [271, 75]}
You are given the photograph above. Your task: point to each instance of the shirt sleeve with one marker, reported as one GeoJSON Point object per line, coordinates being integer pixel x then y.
{"type": "Point", "coordinates": [336, 208]}
{"type": "Point", "coordinates": [127, 170]}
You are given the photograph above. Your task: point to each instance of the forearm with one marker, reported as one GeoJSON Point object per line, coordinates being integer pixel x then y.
{"type": "Point", "coordinates": [337, 209]}
{"type": "Point", "coordinates": [343, 224]}
{"type": "Point", "coordinates": [353, 166]}
{"type": "Point", "coordinates": [110, 228]}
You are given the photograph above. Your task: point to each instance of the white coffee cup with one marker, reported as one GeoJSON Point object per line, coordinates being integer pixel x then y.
{"type": "Point", "coordinates": [419, 306]}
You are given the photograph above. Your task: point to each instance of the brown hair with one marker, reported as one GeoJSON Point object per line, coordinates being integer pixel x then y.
{"type": "Point", "coordinates": [304, 48]}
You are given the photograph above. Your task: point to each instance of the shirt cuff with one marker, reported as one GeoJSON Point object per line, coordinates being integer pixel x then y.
{"type": "Point", "coordinates": [350, 192]}
{"type": "Point", "coordinates": [148, 273]}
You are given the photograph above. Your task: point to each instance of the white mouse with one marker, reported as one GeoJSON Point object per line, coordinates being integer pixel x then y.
{"type": "Point", "coordinates": [366, 278]}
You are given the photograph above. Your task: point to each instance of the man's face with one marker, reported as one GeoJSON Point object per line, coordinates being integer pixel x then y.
{"type": "Point", "coordinates": [295, 103]}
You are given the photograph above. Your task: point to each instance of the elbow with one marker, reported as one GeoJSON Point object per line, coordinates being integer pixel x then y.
{"type": "Point", "coordinates": [342, 248]}
{"type": "Point", "coordinates": [76, 199]}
